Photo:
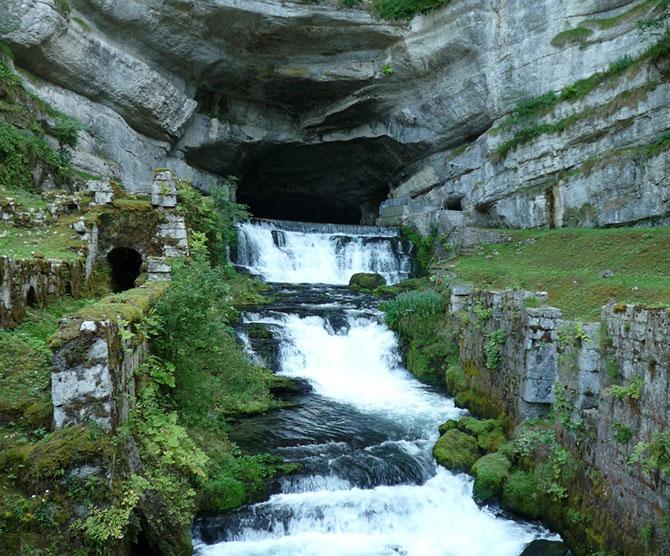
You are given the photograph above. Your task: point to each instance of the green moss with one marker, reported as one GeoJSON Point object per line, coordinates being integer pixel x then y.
{"type": "Point", "coordinates": [64, 450]}
{"type": "Point", "coordinates": [366, 281]}
{"type": "Point", "coordinates": [578, 35]}
{"type": "Point", "coordinates": [456, 450]}
{"type": "Point", "coordinates": [488, 432]}
{"type": "Point", "coordinates": [490, 473]}
{"type": "Point", "coordinates": [520, 495]}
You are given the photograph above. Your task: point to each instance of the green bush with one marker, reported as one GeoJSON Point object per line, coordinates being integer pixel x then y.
{"type": "Point", "coordinates": [413, 306]}
{"type": "Point", "coordinates": [213, 376]}
{"type": "Point", "coordinates": [214, 215]}
{"type": "Point", "coordinates": [405, 9]}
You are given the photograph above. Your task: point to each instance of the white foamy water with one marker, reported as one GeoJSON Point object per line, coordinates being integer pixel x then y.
{"type": "Point", "coordinates": [326, 515]}
{"type": "Point", "coordinates": [320, 255]}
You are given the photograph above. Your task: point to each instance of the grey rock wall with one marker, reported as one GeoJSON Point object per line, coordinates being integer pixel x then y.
{"type": "Point", "coordinates": [284, 85]}
{"type": "Point", "coordinates": [578, 367]}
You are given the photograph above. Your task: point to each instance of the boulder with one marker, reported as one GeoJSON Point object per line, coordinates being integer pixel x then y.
{"type": "Point", "coordinates": [366, 281]}
{"type": "Point", "coordinates": [456, 450]}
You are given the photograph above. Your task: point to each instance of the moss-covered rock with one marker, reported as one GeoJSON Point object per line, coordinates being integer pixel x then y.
{"type": "Point", "coordinates": [456, 450]}
{"type": "Point", "coordinates": [490, 473]}
{"type": "Point", "coordinates": [488, 432]}
{"type": "Point", "coordinates": [451, 424]}
{"type": "Point", "coordinates": [366, 281]}
{"type": "Point", "coordinates": [520, 495]}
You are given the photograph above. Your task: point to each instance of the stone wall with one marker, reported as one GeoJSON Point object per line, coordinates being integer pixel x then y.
{"type": "Point", "coordinates": [96, 353]}
{"type": "Point", "coordinates": [608, 383]}
{"type": "Point", "coordinates": [93, 378]}
{"type": "Point", "coordinates": [36, 282]}
{"type": "Point", "coordinates": [519, 371]}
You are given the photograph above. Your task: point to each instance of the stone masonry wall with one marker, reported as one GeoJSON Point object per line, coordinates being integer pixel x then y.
{"type": "Point", "coordinates": [93, 378]}
{"type": "Point", "coordinates": [36, 282]}
{"type": "Point", "coordinates": [608, 383]}
{"type": "Point", "coordinates": [522, 381]}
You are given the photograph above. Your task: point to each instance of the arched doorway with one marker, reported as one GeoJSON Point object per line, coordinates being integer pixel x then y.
{"type": "Point", "coordinates": [31, 297]}
{"type": "Point", "coordinates": [126, 264]}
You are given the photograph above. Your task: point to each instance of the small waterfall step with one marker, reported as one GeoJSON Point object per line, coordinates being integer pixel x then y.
{"type": "Point", "coordinates": [299, 252]}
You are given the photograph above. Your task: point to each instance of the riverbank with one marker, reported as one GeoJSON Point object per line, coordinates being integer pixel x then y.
{"type": "Point", "coordinates": [574, 429]}
{"type": "Point", "coordinates": [126, 470]}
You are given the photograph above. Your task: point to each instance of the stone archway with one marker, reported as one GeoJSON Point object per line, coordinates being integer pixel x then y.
{"type": "Point", "coordinates": [126, 264]}
{"type": "Point", "coordinates": [31, 297]}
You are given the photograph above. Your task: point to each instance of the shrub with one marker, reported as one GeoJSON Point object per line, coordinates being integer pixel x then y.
{"type": "Point", "coordinates": [214, 215]}
{"type": "Point", "coordinates": [493, 348]}
{"type": "Point", "coordinates": [630, 391]}
{"type": "Point", "coordinates": [413, 306]}
{"type": "Point", "coordinates": [404, 9]}
{"type": "Point", "coordinates": [212, 374]}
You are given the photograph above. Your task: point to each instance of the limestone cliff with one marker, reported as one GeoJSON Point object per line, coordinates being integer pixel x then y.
{"type": "Point", "coordinates": [323, 112]}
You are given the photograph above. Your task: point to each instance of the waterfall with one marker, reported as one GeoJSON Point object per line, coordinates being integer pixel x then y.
{"type": "Point", "coordinates": [364, 434]}
{"type": "Point", "coordinates": [320, 253]}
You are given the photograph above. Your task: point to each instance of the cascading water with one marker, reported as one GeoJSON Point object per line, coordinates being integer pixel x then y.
{"type": "Point", "coordinates": [364, 433]}
{"type": "Point", "coordinates": [320, 253]}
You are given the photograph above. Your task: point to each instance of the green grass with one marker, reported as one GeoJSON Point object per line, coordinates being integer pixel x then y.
{"type": "Point", "coordinates": [26, 358]}
{"type": "Point", "coordinates": [567, 263]}
{"type": "Point", "coordinates": [578, 35]}
{"type": "Point", "coordinates": [52, 242]}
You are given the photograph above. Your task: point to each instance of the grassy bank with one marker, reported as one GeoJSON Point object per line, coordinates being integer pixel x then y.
{"type": "Point", "coordinates": [572, 266]}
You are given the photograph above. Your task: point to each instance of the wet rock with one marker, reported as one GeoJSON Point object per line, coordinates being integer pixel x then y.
{"type": "Point", "coordinates": [606, 274]}
{"type": "Point", "coordinates": [546, 548]}
{"type": "Point", "coordinates": [456, 450]}
{"type": "Point", "coordinates": [366, 281]}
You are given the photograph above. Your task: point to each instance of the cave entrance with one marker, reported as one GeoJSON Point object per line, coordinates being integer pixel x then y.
{"type": "Point", "coordinates": [126, 264]}
{"type": "Point", "coordinates": [31, 297]}
{"type": "Point", "coordinates": [335, 181]}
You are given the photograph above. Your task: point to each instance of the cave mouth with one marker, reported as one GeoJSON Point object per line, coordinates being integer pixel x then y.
{"type": "Point", "coordinates": [340, 182]}
{"type": "Point", "coordinates": [126, 264]}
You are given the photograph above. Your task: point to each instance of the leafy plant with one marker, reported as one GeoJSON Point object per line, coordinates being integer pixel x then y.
{"type": "Point", "coordinates": [492, 348]}
{"type": "Point", "coordinates": [631, 391]}
{"type": "Point", "coordinates": [622, 434]}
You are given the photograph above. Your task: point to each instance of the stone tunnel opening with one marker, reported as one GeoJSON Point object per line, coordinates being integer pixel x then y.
{"type": "Point", "coordinates": [341, 182]}
{"type": "Point", "coordinates": [125, 265]}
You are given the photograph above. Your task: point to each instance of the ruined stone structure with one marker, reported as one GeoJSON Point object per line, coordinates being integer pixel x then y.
{"type": "Point", "coordinates": [612, 378]}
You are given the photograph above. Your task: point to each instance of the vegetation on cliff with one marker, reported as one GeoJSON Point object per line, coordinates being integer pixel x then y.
{"type": "Point", "coordinates": [144, 482]}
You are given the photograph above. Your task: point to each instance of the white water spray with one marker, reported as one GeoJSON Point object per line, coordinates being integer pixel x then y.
{"type": "Point", "coordinates": [320, 254]}
{"type": "Point", "coordinates": [355, 366]}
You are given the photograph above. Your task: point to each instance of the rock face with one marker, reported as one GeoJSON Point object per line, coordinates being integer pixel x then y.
{"type": "Point", "coordinates": [608, 383]}
{"type": "Point", "coordinates": [318, 106]}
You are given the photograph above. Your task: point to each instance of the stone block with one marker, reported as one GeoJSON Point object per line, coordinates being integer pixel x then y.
{"type": "Point", "coordinates": [158, 269]}
{"type": "Point", "coordinates": [103, 191]}
{"type": "Point", "coordinates": [164, 190]}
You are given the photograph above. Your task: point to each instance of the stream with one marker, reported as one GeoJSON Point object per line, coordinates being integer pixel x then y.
{"type": "Point", "coordinates": [364, 427]}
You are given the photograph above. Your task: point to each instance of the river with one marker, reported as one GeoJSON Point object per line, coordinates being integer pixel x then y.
{"type": "Point", "coordinates": [364, 431]}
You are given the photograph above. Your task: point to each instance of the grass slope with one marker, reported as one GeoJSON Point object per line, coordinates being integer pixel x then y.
{"type": "Point", "coordinates": [567, 264]}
